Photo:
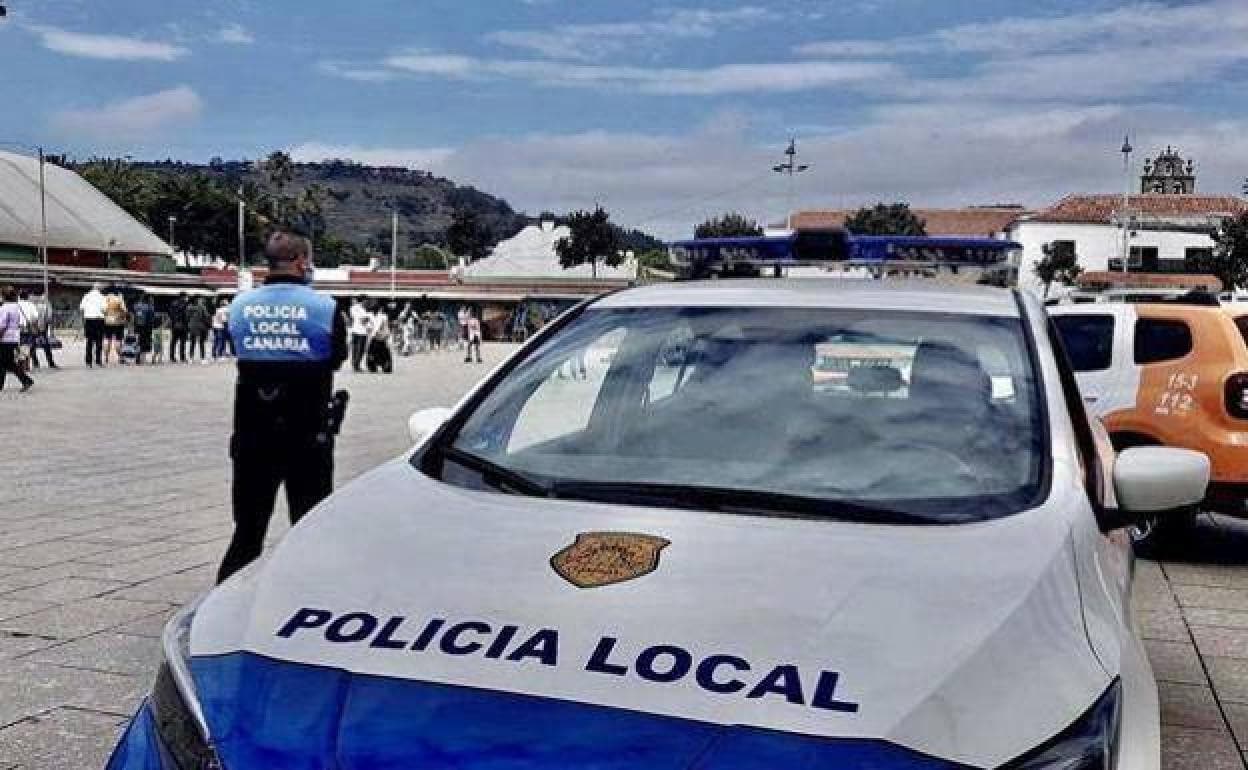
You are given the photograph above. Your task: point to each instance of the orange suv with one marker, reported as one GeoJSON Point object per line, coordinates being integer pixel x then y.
{"type": "Point", "coordinates": [1168, 373]}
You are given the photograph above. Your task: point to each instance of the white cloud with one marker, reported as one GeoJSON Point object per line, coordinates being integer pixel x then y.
{"type": "Point", "coordinates": [932, 154]}
{"type": "Point", "coordinates": [422, 158]}
{"type": "Point", "coordinates": [139, 117]}
{"type": "Point", "coordinates": [358, 73]}
{"type": "Point", "coordinates": [1131, 51]}
{"type": "Point", "coordinates": [106, 46]}
{"type": "Point", "coordinates": [591, 42]}
{"type": "Point", "coordinates": [774, 77]}
{"type": "Point", "coordinates": [235, 34]}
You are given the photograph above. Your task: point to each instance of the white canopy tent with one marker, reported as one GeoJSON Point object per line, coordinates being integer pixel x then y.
{"type": "Point", "coordinates": [79, 216]}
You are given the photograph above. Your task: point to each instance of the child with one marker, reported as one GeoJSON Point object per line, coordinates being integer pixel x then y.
{"type": "Point", "coordinates": [158, 341]}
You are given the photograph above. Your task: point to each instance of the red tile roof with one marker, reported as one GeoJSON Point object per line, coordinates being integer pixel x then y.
{"type": "Point", "coordinates": [1100, 209]}
{"type": "Point", "coordinates": [974, 221]}
{"type": "Point", "coordinates": [1104, 279]}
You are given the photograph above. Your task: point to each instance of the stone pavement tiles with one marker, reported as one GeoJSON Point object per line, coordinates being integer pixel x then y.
{"type": "Point", "coordinates": [120, 514]}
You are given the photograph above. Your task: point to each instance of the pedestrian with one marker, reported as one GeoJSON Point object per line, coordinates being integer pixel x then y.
{"type": "Point", "coordinates": [92, 309]}
{"type": "Point", "coordinates": [12, 360]}
{"type": "Point", "coordinates": [473, 336]}
{"type": "Point", "coordinates": [160, 336]}
{"type": "Point", "coordinates": [39, 319]}
{"type": "Point", "coordinates": [284, 424]}
{"type": "Point", "coordinates": [379, 358]}
{"type": "Point", "coordinates": [144, 324]}
{"type": "Point", "coordinates": [360, 327]}
{"type": "Point", "coordinates": [198, 323]}
{"type": "Point", "coordinates": [437, 323]}
{"type": "Point", "coordinates": [177, 326]}
{"type": "Point", "coordinates": [115, 315]}
{"type": "Point", "coordinates": [220, 320]}
{"type": "Point", "coordinates": [463, 316]}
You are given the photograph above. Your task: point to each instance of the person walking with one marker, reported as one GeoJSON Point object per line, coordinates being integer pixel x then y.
{"type": "Point", "coordinates": [220, 320]}
{"type": "Point", "coordinates": [41, 327]}
{"type": "Point", "coordinates": [178, 328]}
{"type": "Point", "coordinates": [463, 317]}
{"type": "Point", "coordinates": [473, 335]}
{"type": "Point", "coordinates": [11, 339]}
{"type": "Point", "coordinates": [283, 423]}
{"type": "Point", "coordinates": [360, 328]}
{"type": "Point", "coordinates": [92, 309]}
{"type": "Point", "coordinates": [379, 357]}
{"type": "Point", "coordinates": [198, 323]}
{"type": "Point", "coordinates": [144, 323]}
{"type": "Point", "coordinates": [115, 315]}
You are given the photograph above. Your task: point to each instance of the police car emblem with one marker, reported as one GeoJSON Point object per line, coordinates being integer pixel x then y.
{"type": "Point", "coordinates": [601, 558]}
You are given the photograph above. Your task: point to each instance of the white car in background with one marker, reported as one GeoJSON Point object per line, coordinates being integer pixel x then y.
{"type": "Point", "coordinates": [691, 557]}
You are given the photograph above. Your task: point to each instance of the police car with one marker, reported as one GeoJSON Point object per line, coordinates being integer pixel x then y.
{"type": "Point", "coordinates": [691, 557]}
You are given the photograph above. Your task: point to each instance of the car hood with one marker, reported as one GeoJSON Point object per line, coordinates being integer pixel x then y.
{"type": "Point", "coordinates": [407, 622]}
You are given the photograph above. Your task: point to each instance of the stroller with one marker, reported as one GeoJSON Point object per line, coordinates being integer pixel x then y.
{"type": "Point", "coordinates": [130, 347]}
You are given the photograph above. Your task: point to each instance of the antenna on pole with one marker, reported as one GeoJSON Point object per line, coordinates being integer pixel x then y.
{"type": "Point", "coordinates": [790, 167]}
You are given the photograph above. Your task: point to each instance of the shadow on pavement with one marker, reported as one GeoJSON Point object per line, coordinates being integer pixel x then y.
{"type": "Point", "coordinates": [1210, 539]}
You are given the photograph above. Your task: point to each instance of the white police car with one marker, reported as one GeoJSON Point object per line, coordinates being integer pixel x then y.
{"type": "Point", "coordinates": [685, 555]}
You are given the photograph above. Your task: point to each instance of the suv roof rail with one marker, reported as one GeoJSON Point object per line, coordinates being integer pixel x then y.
{"type": "Point", "coordinates": [1200, 297]}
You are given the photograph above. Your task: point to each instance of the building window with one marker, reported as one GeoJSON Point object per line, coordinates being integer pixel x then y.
{"type": "Point", "coordinates": [1191, 253]}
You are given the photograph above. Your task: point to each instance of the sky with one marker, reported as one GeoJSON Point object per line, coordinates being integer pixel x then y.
{"type": "Point", "coordinates": [663, 112]}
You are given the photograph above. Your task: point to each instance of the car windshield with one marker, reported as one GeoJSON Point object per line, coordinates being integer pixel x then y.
{"type": "Point", "coordinates": [876, 415]}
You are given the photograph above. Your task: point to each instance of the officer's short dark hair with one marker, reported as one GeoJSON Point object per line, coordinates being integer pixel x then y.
{"type": "Point", "coordinates": [286, 247]}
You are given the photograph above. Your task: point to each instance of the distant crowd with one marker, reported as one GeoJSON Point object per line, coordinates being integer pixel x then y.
{"type": "Point", "coordinates": [122, 326]}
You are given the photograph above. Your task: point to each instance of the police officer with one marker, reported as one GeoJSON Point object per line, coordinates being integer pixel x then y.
{"type": "Point", "coordinates": [289, 341]}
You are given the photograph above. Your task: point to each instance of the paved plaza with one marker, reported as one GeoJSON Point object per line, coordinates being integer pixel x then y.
{"type": "Point", "coordinates": [114, 510]}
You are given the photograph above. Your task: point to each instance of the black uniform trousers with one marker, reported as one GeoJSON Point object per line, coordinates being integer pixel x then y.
{"type": "Point", "coordinates": [263, 461]}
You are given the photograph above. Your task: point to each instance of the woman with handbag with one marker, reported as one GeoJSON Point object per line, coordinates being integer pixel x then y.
{"type": "Point", "coordinates": [12, 359]}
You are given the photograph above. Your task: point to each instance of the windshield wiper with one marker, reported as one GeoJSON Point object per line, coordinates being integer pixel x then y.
{"type": "Point", "coordinates": [731, 500]}
{"type": "Point", "coordinates": [497, 476]}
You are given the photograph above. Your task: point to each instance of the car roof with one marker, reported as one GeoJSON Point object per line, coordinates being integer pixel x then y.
{"type": "Point", "coordinates": [1120, 308]}
{"type": "Point", "coordinates": [900, 295]}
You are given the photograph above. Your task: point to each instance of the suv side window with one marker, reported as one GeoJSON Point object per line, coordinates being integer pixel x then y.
{"type": "Point", "coordinates": [1088, 340]}
{"type": "Point", "coordinates": [1157, 340]}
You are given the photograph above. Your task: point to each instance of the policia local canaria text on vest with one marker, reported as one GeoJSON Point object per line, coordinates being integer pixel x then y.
{"type": "Point", "coordinates": [290, 340]}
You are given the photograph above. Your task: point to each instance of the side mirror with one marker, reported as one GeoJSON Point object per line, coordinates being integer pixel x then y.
{"type": "Point", "coordinates": [1153, 480]}
{"type": "Point", "coordinates": [422, 424]}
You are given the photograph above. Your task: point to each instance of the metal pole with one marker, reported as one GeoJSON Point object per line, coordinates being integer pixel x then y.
{"type": "Point", "coordinates": [394, 250]}
{"type": "Point", "coordinates": [43, 228]}
{"type": "Point", "coordinates": [1126, 203]}
{"type": "Point", "coordinates": [242, 214]}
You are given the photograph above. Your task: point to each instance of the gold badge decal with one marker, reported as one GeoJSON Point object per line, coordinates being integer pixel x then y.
{"type": "Point", "coordinates": [602, 558]}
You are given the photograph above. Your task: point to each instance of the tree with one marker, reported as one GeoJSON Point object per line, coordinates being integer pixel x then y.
{"type": "Point", "coordinates": [1059, 263]}
{"type": "Point", "coordinates": [467, 237]}
{"type": "Point", "coordinates": [593, 238]}
{"type": "Point", "coordinates": [279, 169]}
{"type": "Point", "coordinates": [427, 257]}
{"type": "Point", "coordinates": [1229, 258]}
{"type": "Point", "coordinates": [886, 219]}
{"type": "Point", "coordinates": [727, 226]}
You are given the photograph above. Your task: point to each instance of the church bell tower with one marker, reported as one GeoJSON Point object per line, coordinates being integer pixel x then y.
{"type": "Point", "coordinates": [1168, 174]}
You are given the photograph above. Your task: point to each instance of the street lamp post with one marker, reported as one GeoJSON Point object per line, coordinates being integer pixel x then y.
{"type": "Point", "coordinates": [1124, 217]}
{"type": "Point", "coordinates": [43, 227]}
{"type": "Point", "coordinates": [43, 206]}
{"type": "Point", "coordinates": [790, 167]}
{"type": "Point", "coordinates": [394, 252]}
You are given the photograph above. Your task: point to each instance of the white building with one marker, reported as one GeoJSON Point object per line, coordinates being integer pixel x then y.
{"type": "Point", "coordinates": [1165, 225]}
{"type": "Point", "coordinates": [530, 254]}
{"type": "Point", "coordinates": [1164, 231]}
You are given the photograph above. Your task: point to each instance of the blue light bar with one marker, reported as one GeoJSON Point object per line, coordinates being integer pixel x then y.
{"type": "Point", "coordinates": [823, 247]}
